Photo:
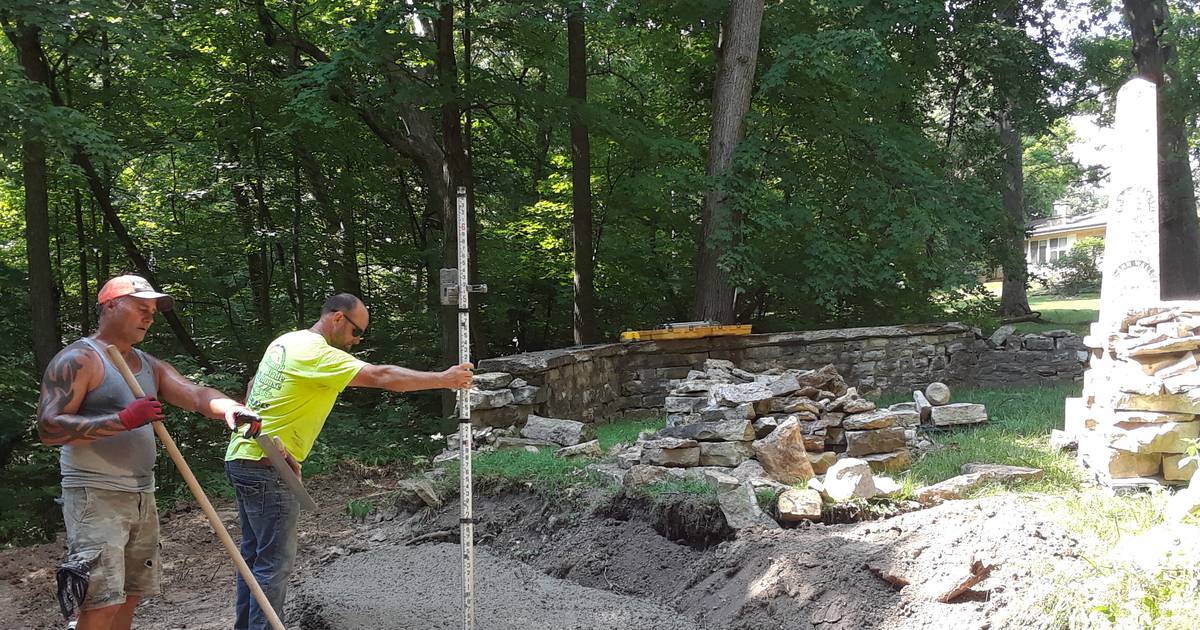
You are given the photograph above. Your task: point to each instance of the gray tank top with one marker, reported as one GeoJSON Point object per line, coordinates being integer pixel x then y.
{"type": "Point", "coordinates": [125, 461]}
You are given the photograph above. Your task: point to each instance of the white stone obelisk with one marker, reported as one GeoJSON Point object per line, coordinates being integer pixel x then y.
{"type": "Point", "coordinates": [1131, 274]}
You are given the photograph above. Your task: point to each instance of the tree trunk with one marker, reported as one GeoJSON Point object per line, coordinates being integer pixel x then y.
{"type": "Point", "coordinates": [584, 322]}
{"type": "Point", "coordinates": [257, 259]}
{"type": "Point", "coordinates": [85, 299]}
{"type": "Point", "coordinates": [1013, 298]}
{"type": "Point", "coordinates": [736, 57]}
{"type": "Point", "coordinates": [297, 276]}
{"type": "Point", "coordinates": [34, 175]}
{"type": "Point", "coordinates": [460, 173]}
{"type": "Point", "coordinates": [343, 261]}
{"type": "Point", "coordinates": [1178, 230]}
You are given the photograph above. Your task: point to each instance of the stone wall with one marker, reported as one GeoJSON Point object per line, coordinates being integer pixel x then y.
{"type": "Point", "coordinates": [633, 378]}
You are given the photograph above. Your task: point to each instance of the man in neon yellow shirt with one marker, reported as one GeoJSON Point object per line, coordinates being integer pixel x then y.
{"type": "Point", "coordinates": [297, 383]}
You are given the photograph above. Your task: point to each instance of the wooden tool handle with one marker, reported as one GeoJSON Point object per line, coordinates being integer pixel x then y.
{"type": "Point", "coordinates": [118, 361]}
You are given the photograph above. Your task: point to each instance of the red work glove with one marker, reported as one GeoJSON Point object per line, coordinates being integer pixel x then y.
{"type": "Point", "coordinates": [140, 412]}
{"type": "Point", "coordinates": [240, 414]}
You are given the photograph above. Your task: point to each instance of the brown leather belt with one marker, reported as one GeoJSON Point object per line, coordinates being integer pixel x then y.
{"type": "Point", "coordinates": [261, 463]}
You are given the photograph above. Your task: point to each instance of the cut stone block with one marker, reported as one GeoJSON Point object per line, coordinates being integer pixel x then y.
{"type": "Point", "coordinates": [529, 394]}
{"type": "Point", "coordinates": [1118, 464]}
{"type": "Point", "coordinates": [858, 405]}
{"type": "Point", "coordinates": [877, 419]}
{"type": "Point", "coordinates": [889, 462]}
{"type": "Point", "coordinates": [734, 395]}
{"type": "Point", "coordinates": [491, 380]}
{"type": "Point", "coordinates": [1164, 437]}
{"type": "Point", "coordinates": [782, 453]}
{"type": "Point", "coordinates": [877, 441]}
{"type": "Point", "coordinates": [490, 399]}
{"type": "Point", "coordinates": [729, 454]}
{"type": "Point", "coordinates": [1175, 470]}
{"type": "Point", "coordinates": [740, 507]}
{"type": "Point", "coordinates": [822, 461]}
{"type": "Point", "coordinates": [833, 418]}
{"type": "Point", "coordinates": [799, 505]}
{"type": "Point", "coordinates": [586, 449]}
{"type": "Point", "coordinates": [671, 457]}
{"type": "Point", "coordinates": [850, 478]}
{"type": "Point", "coordinates": [557, 430]}
{"type": "Point", "coordinates": [764, 426]}
{"type": "Point", "coordinates": [684, 404]}
{"type": "Point", "coordinates": [1164, 346]}
{"type": "Point", "coordinates": [721, 431]}
{"type": "Point", "coordinates": [1171, 365]}
{"type": "Point", "coordinates": [1188, 403]}
{"type": "Point", "coordinates": [958, 413]}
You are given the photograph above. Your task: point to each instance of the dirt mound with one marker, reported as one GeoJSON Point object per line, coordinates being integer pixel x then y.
{"type": "Point", "coordinates": [889, 573]}
{"type": "Point", "coordinates": [599, 562]}
{"type": "Point", "coordinates": [882, 574]}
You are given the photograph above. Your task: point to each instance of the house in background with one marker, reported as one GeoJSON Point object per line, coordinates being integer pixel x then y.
{"type": "Point", "coordinates": [1049, 239]}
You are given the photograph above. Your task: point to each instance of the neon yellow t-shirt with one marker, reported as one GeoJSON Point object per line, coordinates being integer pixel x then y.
{"type": "Point", "coordinates": [297, 383]}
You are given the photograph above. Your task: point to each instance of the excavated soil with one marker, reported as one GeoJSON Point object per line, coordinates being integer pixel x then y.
{"type": "Point", "coordinates": [598, 562]}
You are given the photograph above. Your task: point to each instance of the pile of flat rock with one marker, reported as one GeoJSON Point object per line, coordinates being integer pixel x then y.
{"type": "Point", "coordinates": [1141, 397]}
{"type": "Point", "coordinates": [567, 438]}
{"type": "Point", "coordinates": [804, 433]}
{"type": "Point", "coordinates": [795, 423]}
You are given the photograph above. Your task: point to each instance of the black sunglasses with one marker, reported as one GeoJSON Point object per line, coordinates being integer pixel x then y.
{"type": "Point", "coordinates": [358, 330]}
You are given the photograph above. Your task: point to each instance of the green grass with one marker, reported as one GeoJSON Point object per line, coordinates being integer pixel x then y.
{"type": "Point", "coordinates": [1019, 423]}
{"type": "Point", "coordinates": [541, 471]}
{"type": "Point", "coordinates": [1074, 313]}
{"type": "Point", "coordinates": [612, 433]}
{"type": "Point", "coordinates": [683, 486]}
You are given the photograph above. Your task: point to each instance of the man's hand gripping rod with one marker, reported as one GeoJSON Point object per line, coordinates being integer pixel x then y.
{"type": "Point", "coordinates": [456, 288]}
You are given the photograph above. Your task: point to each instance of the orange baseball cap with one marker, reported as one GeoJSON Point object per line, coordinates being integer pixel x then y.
{"type": "Point", "coordinates": [136, 286]}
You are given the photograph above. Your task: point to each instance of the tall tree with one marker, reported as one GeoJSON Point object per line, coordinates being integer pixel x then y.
{"type": "Point", "coordinates": [34, 175]}
{"type": "Point", "coordinates": [584, 320]}
{"type": "Point", "coordinates": [458, 162]}
{"type": "Point", "coordinates": [85, 300]}
{"type": "Point", "coordinates": [737, 54]}
{"type": "Point", "coordinates": [1178, 230]}
{"type": "Point", "coordinates": [1014, 301]}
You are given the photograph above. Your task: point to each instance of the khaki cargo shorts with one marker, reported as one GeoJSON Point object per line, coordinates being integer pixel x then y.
{"type": "Point", "coordinates": [116, 533]}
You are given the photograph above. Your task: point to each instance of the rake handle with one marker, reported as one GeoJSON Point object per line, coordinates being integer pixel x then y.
{"type": "Point", "coordinates": [118, 361]}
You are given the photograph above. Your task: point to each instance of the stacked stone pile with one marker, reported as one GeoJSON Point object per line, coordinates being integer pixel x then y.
{"type": "Point", "coordinates": [568, 438]}
{"type": "Point", "coordinates": [812, 409]}
{"type": "Point", "coordinates": [500, 400]}
{"type": "Point", "coordinates": [1141, 396]}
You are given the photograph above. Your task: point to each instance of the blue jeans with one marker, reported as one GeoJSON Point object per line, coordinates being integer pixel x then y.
{"type": "Point", "coordinates": [268, 515]}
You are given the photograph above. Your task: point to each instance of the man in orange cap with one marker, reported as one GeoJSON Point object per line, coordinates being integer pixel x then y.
{"type": "Point", "coordinates": [108, 451]}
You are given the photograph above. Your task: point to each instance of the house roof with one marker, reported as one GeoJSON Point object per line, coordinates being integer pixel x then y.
{"type": "Point", "coordinates": [1063, 225]}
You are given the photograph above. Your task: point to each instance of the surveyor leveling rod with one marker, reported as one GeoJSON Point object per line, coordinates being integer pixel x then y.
{"type": "Point", "coordinates": [455, 290]}
{"type": "Point", "coordinates": [118, 361]}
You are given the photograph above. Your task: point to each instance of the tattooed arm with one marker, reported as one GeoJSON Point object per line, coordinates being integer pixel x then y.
{"type": "Point", "coordinates": [176, 389]}
{"type": "Point", "coordinates": [71, 374]}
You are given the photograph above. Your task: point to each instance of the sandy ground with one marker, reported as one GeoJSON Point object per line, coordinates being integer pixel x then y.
{"type": "Point", "coordinates": [418, 587]}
